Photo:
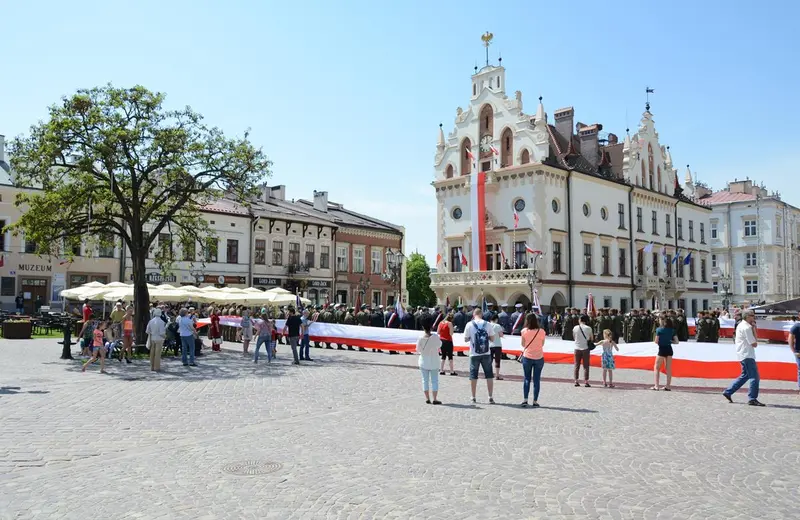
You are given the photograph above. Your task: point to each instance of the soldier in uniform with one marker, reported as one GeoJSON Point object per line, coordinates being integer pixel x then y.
{"type": "Point", "coordinates": [713, 327]}
{"type": "Point", "coordinates": [349, 319]}
{"type": "Point", "coordinates": [376, 320]}
{"type": "Point", "coordinates": [616, 325]}
{"type": "Point", "coordinates": [327, 317]}
{"type": "Point", "coordinates": [459, 320]}
{"type": "Point", "coordinates": [701, 325]}
{"type": "Point", "coordinates": [504, 320]}
{"type": "Point", "coordinates": [339, 315]}
{"type": "Point", "coordinates": [681, 326]}
{"type": "Point", "coordinates": [489, 312]}
{"type": "Point", "coordinates": [517, 320]}
{"type": "Point", "coordinates": [570, 320]}
{"type": "Point", "coordinates": [635, 328]}
{"type": "Point", "coordinates": [362, 319]}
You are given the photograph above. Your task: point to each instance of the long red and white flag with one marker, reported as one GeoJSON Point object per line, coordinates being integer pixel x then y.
{"type": "Point", "coordinates": [516, 219]}
{"type": "Point", "coordinates": [478, 212]}
{"type": "Point", "coordinates": [531, 250]}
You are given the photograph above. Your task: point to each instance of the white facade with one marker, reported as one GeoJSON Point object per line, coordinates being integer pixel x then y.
{"type": "Point", "coordinates": [754, 240]}
{"type": "Point", "coordinates": [568, 188]}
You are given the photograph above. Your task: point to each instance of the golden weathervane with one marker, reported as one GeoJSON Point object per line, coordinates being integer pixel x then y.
{"type": "Point", "coordinates": [487, 40]}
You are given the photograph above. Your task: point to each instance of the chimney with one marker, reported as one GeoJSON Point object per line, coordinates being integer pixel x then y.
{"type": "Point", "coordinates": [564, 118]}
{"type": "Point", "coordinates": [321, 201]}
{"type": "Point", "coordinates": [264, 193]}
{"type": "Point", "coordinates": [2, 148]}
{"type": "Point", "coordinates": [278, 192]}
{"type": "Point", "coordinates": [612, 139]}
{"type": "Point", "coordinates": [589, 144]}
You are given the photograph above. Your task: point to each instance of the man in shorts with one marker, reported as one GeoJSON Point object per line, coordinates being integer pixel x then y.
{"type": "Point", "coordinates": [480, 334]}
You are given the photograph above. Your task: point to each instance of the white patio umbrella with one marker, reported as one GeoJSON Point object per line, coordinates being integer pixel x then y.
{"type": "Point", "coordinates": [77, 293]}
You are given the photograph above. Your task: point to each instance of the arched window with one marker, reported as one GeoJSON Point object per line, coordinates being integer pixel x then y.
{"type": "Point", "coordinates": [507, 148]}
{"type": "Point", "coordinates": [448, 173]}
{"type": "Point", "coordinates": [525, 158]}
{"type": "Point", "coordinates": [660, 186]}
{"type": "Point", "coordinates": [466, 160]}
{"type": "Point", "coordinates": [651, 167]}
{"type": "Point", "coordinates": [487, 120]}
{"type": "Point", "coordinates": [644, 176]}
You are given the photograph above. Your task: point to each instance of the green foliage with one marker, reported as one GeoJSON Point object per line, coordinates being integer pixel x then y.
{"type": "Point", "coordinates": [114, 163]}
{"type": "Point", "coordinates": [418, 281]}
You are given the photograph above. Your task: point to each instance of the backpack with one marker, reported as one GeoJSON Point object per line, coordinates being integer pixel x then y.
{"type": "Point", "coordinates": [480, 340]}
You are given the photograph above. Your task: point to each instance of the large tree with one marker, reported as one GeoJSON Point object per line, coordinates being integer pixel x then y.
{"type": "Point", "coordinates": [114, 164]}
{"type": "Point", "coordinates": [418, 281]}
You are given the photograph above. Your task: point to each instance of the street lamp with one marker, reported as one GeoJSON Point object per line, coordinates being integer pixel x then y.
{"type": "Point", "coordinates": [363, 286]}
{"type": "Point", "coordinates": [198, 276]}
{"type": "Point", "coordinates": [394, 269]}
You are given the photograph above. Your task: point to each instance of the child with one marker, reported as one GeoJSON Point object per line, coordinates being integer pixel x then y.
{"type": "Point", "coordinates": [608, 358]}
{"type": "Point", "coordinates": [98, 347]}
{"type": "Point", "coordinates": [274, 344]}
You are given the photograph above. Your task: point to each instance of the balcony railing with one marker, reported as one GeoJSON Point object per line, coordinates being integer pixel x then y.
{"type": "Point", "coordinates": [647, 282]}
{"type": "Point", "coordinates": [298, 269]}
{"type": "Point", "coordinates": [676, 284]}
{"type": "Point", "coordinates": [478, 278]}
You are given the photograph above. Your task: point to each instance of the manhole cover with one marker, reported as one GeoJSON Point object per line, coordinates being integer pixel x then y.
{"type": "Point", "coordinates": [252, 467]}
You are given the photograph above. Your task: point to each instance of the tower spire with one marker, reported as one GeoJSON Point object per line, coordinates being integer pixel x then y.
{"type": "Point", "coordinates": [440, 144]}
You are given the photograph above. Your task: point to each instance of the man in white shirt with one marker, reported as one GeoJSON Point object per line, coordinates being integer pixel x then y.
{"type": "Point", "coordinates": [156, 333]}
{"type": "Point", "coordinates": [746, 343]}
{"type": "Point", "coordinates": [479, 334]}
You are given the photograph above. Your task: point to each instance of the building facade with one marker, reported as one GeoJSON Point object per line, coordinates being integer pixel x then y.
{"type": "Point", "coordinates": [567, 210]}
{"type": "Point", "coordinates": [755, 244]}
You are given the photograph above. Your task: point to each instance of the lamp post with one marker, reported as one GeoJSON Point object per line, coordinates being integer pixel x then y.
{"type": "Point", "coordinates": [198, 276]}
{"type": "Point", "coordinates": [394, 269]}
{"type": "Point", "coordinates": [363, 286]}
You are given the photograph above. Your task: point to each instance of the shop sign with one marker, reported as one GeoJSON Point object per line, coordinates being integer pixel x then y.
{"type": "Point", "coordinates": [261, 280]}
{"type": "Point", "coordinates": [319, 284]}
{"type": "Point", "coordinates": [223, 280]}
{"type": "Point", "coordinates": [35, 268]}
{"type": "Point", "coordinates": [157, 277]}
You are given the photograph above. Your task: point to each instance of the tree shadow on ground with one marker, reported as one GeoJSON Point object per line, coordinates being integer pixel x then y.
{"type": "Point", "coordinates": [14, 390]}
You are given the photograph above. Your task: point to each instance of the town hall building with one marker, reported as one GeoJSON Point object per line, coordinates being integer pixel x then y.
{"type": "Point", "coordinates": [548, 205]}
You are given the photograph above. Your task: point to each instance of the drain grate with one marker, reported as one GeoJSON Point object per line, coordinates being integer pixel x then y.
{"type": "Point", "coordinates": [252, 467]}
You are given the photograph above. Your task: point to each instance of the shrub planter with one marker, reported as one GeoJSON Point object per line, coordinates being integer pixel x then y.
{"type": "Point", "coordinates": [17, 329]}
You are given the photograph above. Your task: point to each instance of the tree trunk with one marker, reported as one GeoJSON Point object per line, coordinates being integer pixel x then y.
{"type": "Point", "coordinates": [141, 297]}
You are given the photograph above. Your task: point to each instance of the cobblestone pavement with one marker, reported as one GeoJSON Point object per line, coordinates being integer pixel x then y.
{"type": "Point", "coordinates": [353, 438]}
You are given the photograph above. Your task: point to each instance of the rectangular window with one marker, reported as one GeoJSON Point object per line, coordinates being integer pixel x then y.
{"type": "Point", "coordinates": [702, 233]}
{"type": "Point", "coordinates": [2, 235]}
{"type": "Point", "coordinates": [455, 259]}
{"type": "Point", "coordinates": [654, 218]}
{"type": "Point", "coordinates": [75, 246]}
{"type": "Point", "coordinates": [655, 264]}
{"type": "Point", "coordinates": [749, 228]}
{"type": "Point", "coordinates": [691, 269]}
{"type": "Point", "coordinates": [640, 262]}
{"type": "Point", "coordinates": [358, 260]}
{"type": "Point", "coordinates": [691, 231]}
{"type": "Point", "coordinates": [639, 227]}
{"type": "Point", "coordinates": [680, 228]}
{"type": "Point", "coordinates": [705, 305]}
{"type": "Point", "coordinates": [587, 259]}
{"type": "Point", "coordinates": [715, 286]}
{"type": "Point", "coordinates": [713, 230]}
{"type": "Point", "coordinates": [7, 284]}
{"type": "Point", "coordinates": [519, 255]}
{"type": "Point", "coordinates": [189, 249]}
{"type": "Point", "coordinates": [607, 302]}
{"type": "Point", "coordinates": [557, 257]}
{"type": "Point", "coordinates": [751, 287]}
{"type": "Point", "coordinates": [106, 248]}
{"type": "Point", "coordinates": [778, 226]}
{"type": "Point", "coordinates": [232, 251]}
{"type": "Point", "coordinates": [212, 249]}
{"type": "Point", "coordinates": [621, 213]}
{"type": "Point", "coordinates": [669, 266]}
{"type": "Point", "coordinates": [623, 306]}
{"type": "Point", "coordinates": [165, 245]}
{"type": "Point", "coordinates": [702, 269]}
{"type": "Point", "coordinates": [376, 299]}
{"type": "Point", "coordinates": [261, 251]}
{"type": "Point", "coordinates": [277, 252]}
{"type": "Point", "coordinates": [750, 260]}
{"type": "Point", "coordinates": [342, 265]}
{"type": "Point", "coordinates": [668, 225]}
{"type": "Point", "coordinates": [606, 260]}
{"type": "Point", "coordinates": [310, 255]}
{"type": "Point", "coordinates": [679, 268]}
{"type": "Point", "coordinates": [30, 246]}
{"type": "Point", "coordinates": [713, 260]}
{"type": "Point", "coordinates": [325, 257]}
{"type": "Point", "coordinates": [377, 261]}
{"type": "Point", "coordinates": [294, 254]}
{"type": "Point", "coordinates": [622, 262]}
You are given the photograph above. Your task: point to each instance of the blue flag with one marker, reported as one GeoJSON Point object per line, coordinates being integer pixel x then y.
{"type": "Point", "coordinates": [687, 259]}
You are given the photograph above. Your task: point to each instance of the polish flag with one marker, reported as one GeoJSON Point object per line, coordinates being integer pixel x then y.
{"type": "Point", "coordinates": [2, 260]}
{"type": "Point", "coordinates": [503, 256]}
{"type": "Point", "coordinates": [463, 259]}
{"type": "Point", "coordinates": [495, 150]}
{"type": "Point", "coordinates": [532, 251]}
{"type": "Point", "coordinates": [516, 219]}
{"type": "Point", "coordinates": [438, 259]}
{"type": "Point", "coordinates": [469, 154]}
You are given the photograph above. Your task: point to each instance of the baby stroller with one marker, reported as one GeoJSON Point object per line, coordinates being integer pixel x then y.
{"type": "Point", "coordinates": [172, 340]}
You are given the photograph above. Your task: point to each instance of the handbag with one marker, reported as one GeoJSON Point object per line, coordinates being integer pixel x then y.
{"type": "Point", "coordinates": [589, 344]}
{"type": "Point", "coordinates": [522, 354]}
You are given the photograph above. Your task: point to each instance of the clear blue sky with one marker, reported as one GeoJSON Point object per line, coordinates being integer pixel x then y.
{"type": "Point", "coordinates": [347, 96]}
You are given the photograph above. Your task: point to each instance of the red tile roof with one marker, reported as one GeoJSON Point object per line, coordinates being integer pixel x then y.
{"type": "Point", "coordinates": [724, 197]}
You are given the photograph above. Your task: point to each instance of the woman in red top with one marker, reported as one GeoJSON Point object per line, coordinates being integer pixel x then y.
{"type": "Point", "coordinates": [445, 331]}
{"type": "Point", "coordinates": [214, 330]}
{"type": "Point", "coordinates": [127, 335]}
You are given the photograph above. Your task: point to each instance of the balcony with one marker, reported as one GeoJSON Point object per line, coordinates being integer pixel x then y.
{"type": "Point", "coordinates": [298, 269]}
{"type": "Point", "coordinates": [676, 284]}
{"type": "Point", "coordinates": [481, 278]}
{"type": "Point", "coordinates": [647, 282]}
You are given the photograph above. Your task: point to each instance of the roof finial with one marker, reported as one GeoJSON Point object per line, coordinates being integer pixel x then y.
{"type": "Point", "coordinates": [487, 40]}
{"type": "Point", "coordinates": [647, 92]}
{"type": "Point", "coordinates": [540, 99]}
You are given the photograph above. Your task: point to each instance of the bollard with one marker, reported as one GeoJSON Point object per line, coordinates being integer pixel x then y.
{"type": "Point", "coordinates": [66, 351]}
